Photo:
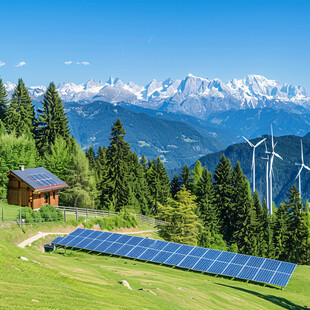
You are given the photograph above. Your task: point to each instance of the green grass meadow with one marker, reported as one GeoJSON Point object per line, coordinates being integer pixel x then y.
{"type": "Point", "coordinates": [78, 280]}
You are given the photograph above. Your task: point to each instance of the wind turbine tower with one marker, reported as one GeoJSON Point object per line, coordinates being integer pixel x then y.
{"type": "Point", "coordinates": [267, 176]}
{"type": "Point", "coordinates": [273, 154]}
{"type": "Point", "coordinates": [253, 158]}
{"type": "Point", "coordinates": [302, 165]}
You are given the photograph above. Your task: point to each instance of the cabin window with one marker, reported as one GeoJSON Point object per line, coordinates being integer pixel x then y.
{"type": "Point", "coordinates": [54, 195]}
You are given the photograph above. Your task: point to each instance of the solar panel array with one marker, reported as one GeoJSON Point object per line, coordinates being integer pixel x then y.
{"type": "Point", "coordinates": [184, 256]}
{"type": "Point", "coordinates": [42, 179]}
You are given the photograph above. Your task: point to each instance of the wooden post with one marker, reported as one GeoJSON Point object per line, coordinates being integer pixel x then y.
{"type": "Point", "coordinates": [65, 216]}
{"type": "Point", "coordinates": [76, 214]}
{"type": "Point", "coordinates": [2, 214]}
{"type": "Point", "coordinates": [86, 214]}
{"type": "Point", "coordinates": [20, 217]}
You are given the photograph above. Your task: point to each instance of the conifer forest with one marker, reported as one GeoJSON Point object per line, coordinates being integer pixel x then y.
{"type": "Point", "coordinates": [215, 211]}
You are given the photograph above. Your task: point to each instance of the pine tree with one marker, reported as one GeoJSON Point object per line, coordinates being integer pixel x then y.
{"type": "Point", "coordinates": [159, 184]}
{"type": "Point", "coordinates": [259, 226]}
{"type": "Point", "coordinates": [298, 234]}
{"type": "Point", "coordinates": [280, 234]}
{"type": "Point", "coordinates": [90, 154]}
{"type": "Point", "coordinates": [195, 176]}
{"type": "Point", "coordinates": [243, 227]}
{"type": "Point", "coordinates": [175, 185]}
{"type": "Point", "coordinates": [186, 177]}
{"type": "Point", "coordinates": [52, 121]}
{"type": "Point", "coordinates": [223, 185]}
{"type": "Point", "coordinates": [205, 201]}
{"type": "Point", "coordinates": [20, 116]}
{"type": "Point", "coordinates": [184, 226]}
{"type": "Point", "coordinates": [3, 101]}
{"type": "Point", "coordinates": [114, 187]}
{"type": "Point", "coordinates": [268, 232]}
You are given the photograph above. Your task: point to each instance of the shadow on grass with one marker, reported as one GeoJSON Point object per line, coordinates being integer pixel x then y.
{"type": "Point", "coordinates": [279, 301]}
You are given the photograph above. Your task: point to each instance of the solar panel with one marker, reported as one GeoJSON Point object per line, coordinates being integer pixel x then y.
{"type": "Point", "coordinates": [42, 179]}
{"type": "Point", "coordinates": [184, 256]}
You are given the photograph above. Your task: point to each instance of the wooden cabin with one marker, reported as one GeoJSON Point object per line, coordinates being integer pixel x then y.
{"type": "Point", "coordinates": [34, 187]}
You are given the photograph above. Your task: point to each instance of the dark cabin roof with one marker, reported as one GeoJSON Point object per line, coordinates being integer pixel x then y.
{"type": "Point", "coordinates": [39, 179]}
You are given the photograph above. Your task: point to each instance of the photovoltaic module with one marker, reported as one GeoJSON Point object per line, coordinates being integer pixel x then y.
{"type": "Point", "coordinates": [230, 264]}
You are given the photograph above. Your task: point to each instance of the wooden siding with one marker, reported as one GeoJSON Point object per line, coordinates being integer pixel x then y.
{"type": "Point", "coordinates": [21, 195]}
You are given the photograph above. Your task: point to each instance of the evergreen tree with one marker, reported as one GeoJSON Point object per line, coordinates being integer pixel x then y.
{"type": "Point", "coordinates": [205, 201]}
{"type": "Point", "coordinates": [280, 235]}
{"type": "Point", "coordinates": [114, 187]}
{"type": "Point", "coordinates": [259, 218]}
{"type": "Point", "coordinates": [52, 121]}
{"type": "Point", "coordinates": [90, 154]}
{"type": "Point", "coordinates": [20, 116]}
{"type": "Point", "coordinates": [186, 177]}
{"type": "Point", "coordinates": [195, 176]}
{"type": "Point", "coordinates": [159, 184]}
{"type": "Point", "coordinates": [268, 232]}
{"type": "Point", "coordinates": [175, 185]}
{"type": "Point", "coordinates": [297, 249]}
{"type": "Point", "coordinates": [244, 232]}
{"type": "Point", "coordinates": [223, 185]}
{"type": "Point", "coordinates": [184, 225]}
{"type": "Point", "coordinates": [3, 101]}
{"type": "Point", "coordinates": [81, 179]}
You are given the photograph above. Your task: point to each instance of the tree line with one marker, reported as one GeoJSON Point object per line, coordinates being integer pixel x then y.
{"type": "Point", "coordinates": [216, 211]}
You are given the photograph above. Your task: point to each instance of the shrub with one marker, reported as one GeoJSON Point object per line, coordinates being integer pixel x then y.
{"type": "Point", "coordinates": [27, 214]}
{"type": "Point", "coordinates": [51, 214]}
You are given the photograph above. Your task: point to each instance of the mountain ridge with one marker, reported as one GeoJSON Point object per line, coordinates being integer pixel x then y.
{"type": "Point", "coordinates": [195, 96]}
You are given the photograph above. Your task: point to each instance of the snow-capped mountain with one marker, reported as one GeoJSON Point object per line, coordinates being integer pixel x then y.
{"type": "Point", "coordinates": [193, 95]}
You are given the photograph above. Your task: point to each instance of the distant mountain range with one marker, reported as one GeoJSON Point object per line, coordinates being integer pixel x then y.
{"type": "Point", "coordinates": [182, 120]}
{"type": "Point", "coordinates": [176, 143]}
{"type": "Point", "coordinates": [284, 171]}
{"type": "Point", "coordinates": [195, 96]}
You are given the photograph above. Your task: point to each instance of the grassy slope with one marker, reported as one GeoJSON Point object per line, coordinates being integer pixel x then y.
{"type": "Point", "coordinates": [80, 280]}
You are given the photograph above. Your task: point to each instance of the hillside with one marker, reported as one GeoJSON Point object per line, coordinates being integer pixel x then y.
{"type": "Point", "coordinates": [175, 142]}
{"type": "Point", "coordinates": [285, 171]}
{"type": "Point", "coordinates": [75, 279]}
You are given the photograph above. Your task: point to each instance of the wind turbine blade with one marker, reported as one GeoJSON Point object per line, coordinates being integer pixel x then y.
{"type": "Point", "coordinates": [248, 141]}
{"type": "Point", "coordinates": [272, 144]}
{"type": "Point", "coordinates": [298, 173]}
{"type": "Point", "coordinates": [271, 163]}
{"type": "Point", "coordinates": [307, 167]}
{"type": "Point", "coordinates": [260, 142]}
{"type": "Point", "coordinates": [266, 150]}
{"type": "Point", "coordinates": [275, 144]}
{"type": "Point", "coordinates": [302, 152]}
{"type": "Point", "coordinates": [276, 154]}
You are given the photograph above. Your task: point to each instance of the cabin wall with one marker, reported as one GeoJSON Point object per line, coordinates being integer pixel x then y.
{"type": "Point", "coordinates": [38, 201]}
{"type": "Point", "coordinates": [18, 193]}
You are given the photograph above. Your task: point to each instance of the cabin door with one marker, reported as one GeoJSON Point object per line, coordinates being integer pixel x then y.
{"type": "Point", "coordinates": [47, 198]}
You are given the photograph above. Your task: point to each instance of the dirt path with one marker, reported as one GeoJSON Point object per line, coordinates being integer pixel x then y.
{"type": "Point", "coordinates": [38, 236]}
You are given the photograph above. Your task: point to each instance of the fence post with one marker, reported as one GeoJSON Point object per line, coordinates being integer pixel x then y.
{"type": "Point", "coordinates": [65, 216]}
{"type": "Point", "coordinates": [20, 217]}
{"type": "Point", "coordinates": [76, 214]}
{"type": "Point", "coordinates": [2, 214]}
{"type": "Point", "coordinates": [86, 214]}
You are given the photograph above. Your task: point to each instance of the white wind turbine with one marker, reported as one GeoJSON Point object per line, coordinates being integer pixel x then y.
{"type": "Point", "coordinates": [302, 165]}
{"type": "Point", "coordinates": [273, 154]}
{"type": "Point", "coordinates": [253, 159]}
{"type": "Point", "coordinates": [267, 171]}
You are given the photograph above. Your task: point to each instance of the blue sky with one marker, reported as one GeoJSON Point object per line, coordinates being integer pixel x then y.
{"type": "Point", "coordinates": [145, 40]}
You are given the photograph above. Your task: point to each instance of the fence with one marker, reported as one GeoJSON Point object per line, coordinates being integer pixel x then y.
{"type": "Point", "coordinates": [104, 213]}
{"type": "Point", "coordinates": [77, 213]}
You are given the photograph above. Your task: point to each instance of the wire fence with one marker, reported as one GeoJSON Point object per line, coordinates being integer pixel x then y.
{"type": "Point", "coordinates": [67, 214]}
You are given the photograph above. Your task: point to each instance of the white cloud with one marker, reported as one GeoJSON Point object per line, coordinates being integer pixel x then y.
{"type": "Point", "coordinates": [20, 64]}
{"type": "Point", "coordinates": [2, 63]}
{"type": "Point", "coordinates": [85, 63]}
{"type": "Point", "coordinates": [77, 63]}
{"type": "Point", "coordinates": [68, 62]}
